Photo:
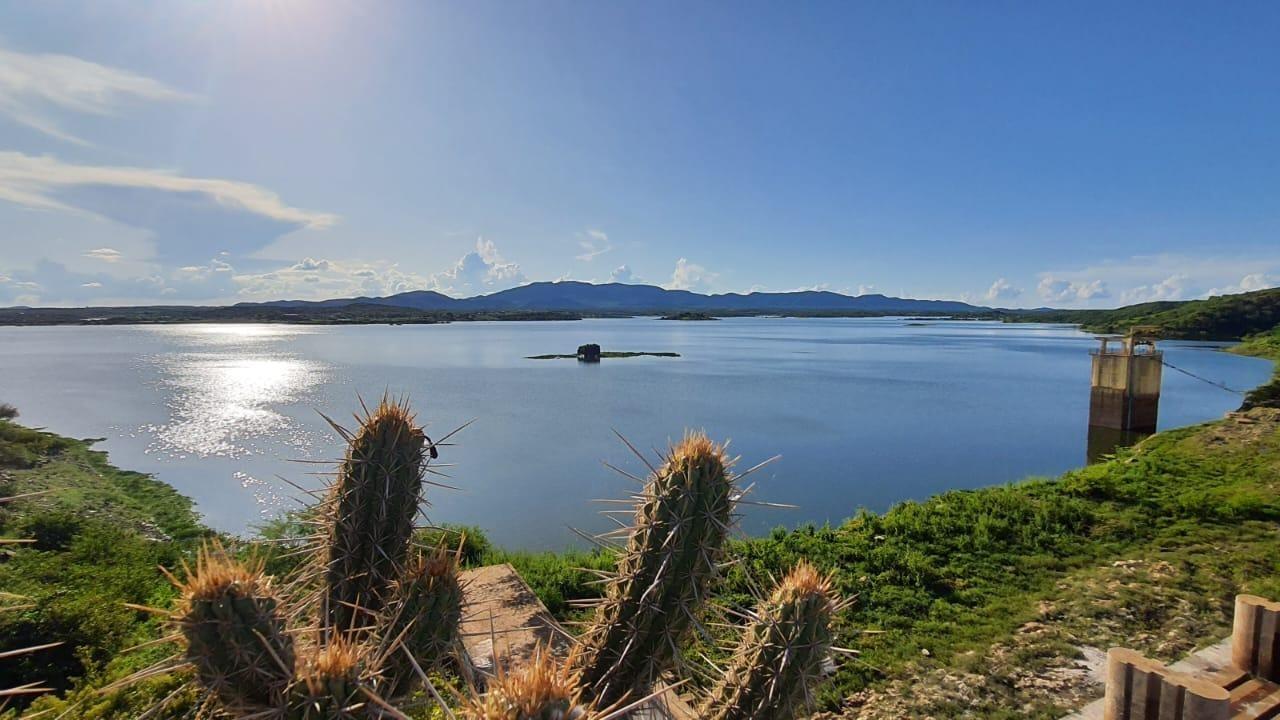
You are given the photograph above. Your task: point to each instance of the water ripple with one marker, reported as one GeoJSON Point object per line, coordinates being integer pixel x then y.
{"type": "Point", "coordinates": [228, 404]}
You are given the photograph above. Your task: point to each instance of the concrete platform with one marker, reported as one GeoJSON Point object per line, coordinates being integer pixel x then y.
{"type": "Point", "coordinates": [503, 621]}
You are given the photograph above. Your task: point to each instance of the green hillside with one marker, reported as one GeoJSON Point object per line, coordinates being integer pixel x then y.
{"type": "Point", "coordinates": [1225, 317]}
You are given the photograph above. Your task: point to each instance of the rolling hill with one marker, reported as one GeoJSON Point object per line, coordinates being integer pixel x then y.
{"type": "Point", "coordinates": [620, 298]}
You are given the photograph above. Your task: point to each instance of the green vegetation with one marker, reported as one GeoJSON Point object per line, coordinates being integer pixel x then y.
{"type": "Point", "coordinates": [606, 354]}
{"type": "Point", "coordinates": [99, 534]}
{"type": "Point", "coordinates": [689, 316]}
{"type": "Point", "coordinates": [1224, 317]}
{"type": "Point", "coordinates": [1263, 345]}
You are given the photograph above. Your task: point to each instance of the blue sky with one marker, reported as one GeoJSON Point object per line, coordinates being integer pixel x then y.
{"type": "Point", "coordinates": [1015, 154]}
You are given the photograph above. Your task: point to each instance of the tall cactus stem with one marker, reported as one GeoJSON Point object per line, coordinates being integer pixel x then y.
{"type": "Point", "coordinates": [780, 657]}
{"type": "Point", "coordinates": [373, 505]}
{"type": "Point", "coordinates": [664, 574]}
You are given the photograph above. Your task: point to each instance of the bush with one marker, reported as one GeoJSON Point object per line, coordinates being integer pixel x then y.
{"type": "Point", "coordinates": [7, 411]}
{"type": "Point", "coordinates": [52, 531]}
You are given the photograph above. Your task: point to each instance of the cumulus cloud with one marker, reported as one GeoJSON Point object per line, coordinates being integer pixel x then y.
{"type": "Point", "coordinates": [594, 243]}
{"type": "Point", "coordinates": [623, 274]}
{"type": "Point", "coordinates": [1174, 287]}
{"type": "Point", "coordinates": [691, 276]}
{"type": "Point", "coordinates": [1002, 289]}
{"type": "Point", "coordinates": [319, 279]}
{"type": "Point", "coordinates": [1057, 290]}
{"type": "Point", "coordinates": [1167, 276]}
{"type": "Point", "coordinates": [311, 264]}
{"type": "Point", "coordinates": [866, 289]}
{"type": "Point", "coordinates": [1248, 283]}
{"type": "Point", "coordinates": [105, 254]}
{"type": "Point", "coordinates": [36, 88]}
{"type": "Point", "coordinates": [480, 271]}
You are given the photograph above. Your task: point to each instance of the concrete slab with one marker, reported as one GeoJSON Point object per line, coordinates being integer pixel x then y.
{"type": "Point", "coordinates": [503, 621]}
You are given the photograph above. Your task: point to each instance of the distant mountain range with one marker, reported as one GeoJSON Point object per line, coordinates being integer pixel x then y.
{"type": "Point", "coordinates": [616, 297]}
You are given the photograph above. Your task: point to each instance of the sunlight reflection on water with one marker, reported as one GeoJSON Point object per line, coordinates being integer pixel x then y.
{"type": "Point", "coordinates": [223, 401]}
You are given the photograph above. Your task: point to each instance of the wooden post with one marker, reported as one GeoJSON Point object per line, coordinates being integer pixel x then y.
{"type": "Point", "coordinates": [1255, 633]}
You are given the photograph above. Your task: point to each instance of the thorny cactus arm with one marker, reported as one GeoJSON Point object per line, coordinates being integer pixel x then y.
{"type": "Point", "coordinates": [235, 635]}
{"type": "Point", "coordinates": [780, 657]}
{"type": "Point", "coordinates": [423, 618]}
{"type": "Point", "coordinates": [372, 507]}
{"type": "Point", "coordinates": [664, 574]}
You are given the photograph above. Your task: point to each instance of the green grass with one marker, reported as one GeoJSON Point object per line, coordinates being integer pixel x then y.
{"type": "Point", "coordinates": [1263, 345]}
{"type": "Point", "coordinates": [99, 536]}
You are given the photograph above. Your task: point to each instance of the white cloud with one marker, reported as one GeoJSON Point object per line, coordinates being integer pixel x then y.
{"type": "Point", "coordinates": [478, 272]}
{"type": "Point", "coordinates": [35, 181]}
{"type": "Point", "coordinates": [318, 279]}
{"type": "Point", "coordinates": [105, 254]}
{"type": "Point", "coordinates": [94, 284]}
{"type": "Point", "coordinates": [691, 276]}
{"type": "Point", "coordinates": [1174, 287]}
{"type": "Point", "coordinates": [1248, 283]}
{"type": "Point", "coordinates": [311, 264]}
{"type": "Point", "coordinates": [1169, 276]}
{"type": "Point", "coordinates": [866, 289]}
{"type": "Point", "coordinates": [594, 243]}
{"type": "Point", "coordinates": [35, 88]}
{"type": "Point", "coordinates": [1057, 290]}
{"type": "Point", "coordinates": [1002, 289]}
{"type": "Point", "coordinates": [623, 274]}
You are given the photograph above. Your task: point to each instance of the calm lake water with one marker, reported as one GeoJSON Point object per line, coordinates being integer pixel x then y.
{"type": "Point", "coordinates": [864, 412]}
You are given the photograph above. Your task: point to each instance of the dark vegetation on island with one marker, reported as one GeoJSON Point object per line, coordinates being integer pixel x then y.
{"type": "Point", "coordinates": [689, 316]}
{"type": "Point", "coordinates": [968, 603]}
{"type": "Point", "coordinates": [606, 354]}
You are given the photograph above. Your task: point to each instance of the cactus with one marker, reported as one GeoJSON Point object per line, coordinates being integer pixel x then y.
{"type": "Point", "coordinates": [333, 685]}
{"type": "Point", "coordinates": [541, 690]}
{"type": "Point", "coordinates": [383, 613]}
{"type": "Point", "coordinates": [235, 635]}
{"type": "Point", "coordinates": [423, 619]}
{"type": "Point", "coordinates": [664, 573]}
{"type": "Point", "coordinates": [781, 654]}
{"type": "Point", "coordinates": [373, 504]}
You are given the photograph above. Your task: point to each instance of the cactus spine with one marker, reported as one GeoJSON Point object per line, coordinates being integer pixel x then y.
{"type": "Point", "coordinates": [781, 654]}
{"type": "Point", "coordinates": [373, 505]}
{"type": "Point", "coordinates": [664, 574]}
{"type": "Point", "coordinates": [423, 619]}
{"type": "Point", "coordinates": [332, 685]}
{"type": "Point", "coordinates": [236, 638]}
{"type": "Point", "coordinates": [541, 690]}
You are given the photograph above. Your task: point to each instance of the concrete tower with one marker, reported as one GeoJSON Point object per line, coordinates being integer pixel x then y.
{"type": "Point", "coordinates": [1125, 392]}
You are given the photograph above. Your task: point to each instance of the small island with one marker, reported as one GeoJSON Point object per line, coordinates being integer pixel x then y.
{"type": "Point", "coordinates": [592, 354]}
{"type": "Point", "coordinates": [688, 316]}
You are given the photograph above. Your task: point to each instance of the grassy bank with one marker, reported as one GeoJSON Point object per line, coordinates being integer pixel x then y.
{"type": "Point", "coordinates": [972, 603]}
{"type": "Point", "coordinates": [1266, 345]}
{"type": "Point", "coordinates": [97, 535]}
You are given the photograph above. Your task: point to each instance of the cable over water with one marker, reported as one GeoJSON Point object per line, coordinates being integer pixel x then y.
{"type": "Point", "coordinates": [1214, 383]}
